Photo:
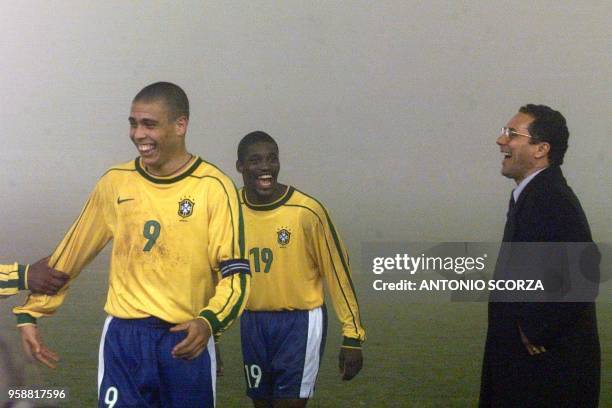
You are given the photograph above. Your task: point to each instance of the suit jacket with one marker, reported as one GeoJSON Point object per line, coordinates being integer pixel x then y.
{"type": "Point", "coordinates": [567, 374]}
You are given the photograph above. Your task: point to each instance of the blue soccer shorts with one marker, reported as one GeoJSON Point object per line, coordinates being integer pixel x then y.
{"type": "Point", "coordinates": [136, 367]}
{"type": "Point", "coordinates": [282, 352]}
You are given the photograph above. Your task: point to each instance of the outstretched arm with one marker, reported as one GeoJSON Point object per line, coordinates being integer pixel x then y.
{"type": "Point", "coordinates": [34, 347]}
{"type": "Point", "coordinates": [87, 236]}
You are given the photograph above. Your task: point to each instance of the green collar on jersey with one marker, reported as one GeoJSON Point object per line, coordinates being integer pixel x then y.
{"type": "Point", "coordinates": [270, 206]}
{"type": "Point", "coordinates": [166, 180]}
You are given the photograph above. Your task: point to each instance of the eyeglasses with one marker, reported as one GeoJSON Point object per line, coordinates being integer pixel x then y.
{"type": "Point", "coordinates": [511, 133]}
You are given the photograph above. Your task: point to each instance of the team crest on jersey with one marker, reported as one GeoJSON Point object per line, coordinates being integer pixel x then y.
{"type": "Point", "coordinates": [283, 236]}
{"type": "Point", "coordinates": [185, 207]}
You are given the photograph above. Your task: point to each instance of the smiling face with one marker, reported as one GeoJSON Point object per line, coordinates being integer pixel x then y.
{"type": "Point", "coordinates": [259, 168]}
{"type": "Point", "coordinates": [160, 141]}
{"type": "Point", "coordinates": [521, 158]}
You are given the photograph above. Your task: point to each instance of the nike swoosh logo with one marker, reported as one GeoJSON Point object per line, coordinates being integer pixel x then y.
{"type": "Point", "coordinates": [119, 200]}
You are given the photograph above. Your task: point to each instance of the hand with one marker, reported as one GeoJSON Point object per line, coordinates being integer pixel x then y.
{"type": "Point", "coordinates": [532, 349]}
{"type": "Point", "coordinates": [34, 347]}
{"type": "Point", "coordinates": [350, 362]}
{"type": "Point", "coordinates": [220, 367]}
{"type": "Point", "coordinates": [198, 333]}
{"type": "Point", "coordinates": [45, 280]}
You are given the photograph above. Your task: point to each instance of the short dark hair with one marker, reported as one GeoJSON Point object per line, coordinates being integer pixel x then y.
{"type": "Point", "coordinates": [172, 95]}
{"type": "Point", "coordinates": [548, 126]}
{"type": "Point", "coordinates": [257, 136]}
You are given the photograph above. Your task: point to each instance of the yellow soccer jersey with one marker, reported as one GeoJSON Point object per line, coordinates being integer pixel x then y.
{"type": "Point", "coordinates": [178, 246]}
{"type": "Point", "coordinates": [293, 247]}
{"type": "Point", "coordinates": [12, 279]}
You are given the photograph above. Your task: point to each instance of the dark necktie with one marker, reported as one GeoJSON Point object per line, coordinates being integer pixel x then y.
{"type": "Point", "coordinates": [504, 250]}
{"type": "Point", "coordinates": [509, 228]}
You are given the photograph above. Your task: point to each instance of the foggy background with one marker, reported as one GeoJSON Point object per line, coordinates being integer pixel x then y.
{"type": "Point", "coordinates": [386, 111]}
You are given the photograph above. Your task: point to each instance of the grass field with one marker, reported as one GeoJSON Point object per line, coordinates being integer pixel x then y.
{"type": "Point", "coordinates": [416, 355]}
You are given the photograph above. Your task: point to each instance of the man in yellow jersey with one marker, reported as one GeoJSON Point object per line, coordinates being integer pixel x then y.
{"type": "Point", "coordinates": [178, 272]}
{"type": "Point", "coordinates": [37, 277]}
{"type": "Point", "coordinates": [293, 248]}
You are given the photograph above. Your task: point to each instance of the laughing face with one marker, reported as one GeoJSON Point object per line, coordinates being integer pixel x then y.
{"type": "Point", "coordinates": [520, 158]}
{"type": "Point", "coordinates": [159, 140]}
{"type": "Point", "coordinates": [260, 168]}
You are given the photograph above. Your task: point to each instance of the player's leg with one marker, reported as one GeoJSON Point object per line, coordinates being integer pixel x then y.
{"type": "Point", "coordinates": [186, 383]}
{"type": "Point", "coordinates": [295, 365]}
{"type": "Point", "coordinates": [255, 339]}
{"type": "Point", "coordinates": [127, 369]}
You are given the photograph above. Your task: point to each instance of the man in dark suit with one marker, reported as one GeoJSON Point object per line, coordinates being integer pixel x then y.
{"type": "Point", "coordinates": [541, 354]}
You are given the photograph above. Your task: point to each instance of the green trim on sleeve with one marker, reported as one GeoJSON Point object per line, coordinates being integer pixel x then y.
{"type": "Point", "coordinates": [234, 313]}
{"type": "Point", "coordinates": [207, 323]}
{"type": "Point", "coordinates": [241, 236]}
{"type": "Point", "coordinates": [22, 272]}
{"type": "Point", "coordinates": [352, 343]}
{"type": "Point", "coordinates": [24, 318]}
{"type": "Point", "coordinates": [241, 230]}
{"type": "Point", "coordinates": [10, 284]}
{"type": "Point", "coordinates": [209, 316]}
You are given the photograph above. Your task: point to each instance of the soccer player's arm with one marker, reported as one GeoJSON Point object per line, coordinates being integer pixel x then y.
{"type": "Point", "coordinates": [86, 237]}
{"type": "Point", "coordinates": [332, 258]}
{"type": "Point", "coordinates": [226, 254]}
{"type": "Point", "coordinates": [12, 279]}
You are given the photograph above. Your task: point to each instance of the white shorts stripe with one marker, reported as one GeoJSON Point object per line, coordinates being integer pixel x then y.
{"type": "Point", "coordinates": [213, 366]}
{"type": "Point", "coordinates": [101, 353]}
{"type": "Point", "coordinates": [313, 352]}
